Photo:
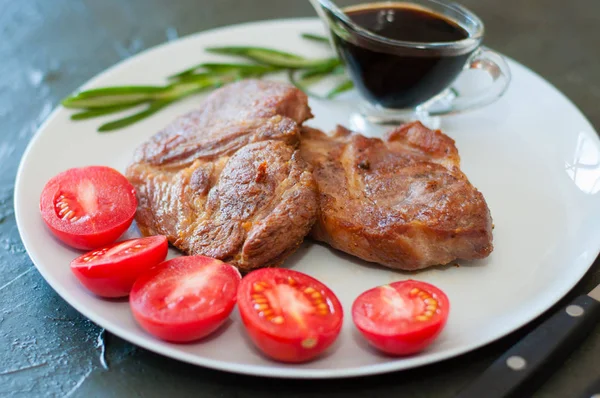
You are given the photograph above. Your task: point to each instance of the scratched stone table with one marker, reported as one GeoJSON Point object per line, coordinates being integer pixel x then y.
{"type": "Point", "coordinates": [50, 47]}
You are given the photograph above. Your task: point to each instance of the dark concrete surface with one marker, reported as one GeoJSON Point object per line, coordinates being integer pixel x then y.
{"type": "Point", "coordinates": [50, 47]}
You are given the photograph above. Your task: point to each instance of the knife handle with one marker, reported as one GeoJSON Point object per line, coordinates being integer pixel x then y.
{"type": "Point", "coordinates": [531, 360]}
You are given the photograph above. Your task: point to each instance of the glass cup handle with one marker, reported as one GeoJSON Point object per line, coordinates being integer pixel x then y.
{"type": "Point", "coordinates": [483, 59]}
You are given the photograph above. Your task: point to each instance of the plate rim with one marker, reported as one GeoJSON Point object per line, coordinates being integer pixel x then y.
{"type": "Point", "coordinates": [263, 370]}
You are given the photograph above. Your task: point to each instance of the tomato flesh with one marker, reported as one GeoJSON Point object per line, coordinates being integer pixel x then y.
{"type": "Point", "coordinates": [290, 316]}
{"type": "Point", "coordinates": [112, 270]}
{"type": "Point", "coordinates": [185, 298]}
{"type": "Point", "coordinates": [88, 207]}
{"type": "Point", "coordinates": [401, 318]}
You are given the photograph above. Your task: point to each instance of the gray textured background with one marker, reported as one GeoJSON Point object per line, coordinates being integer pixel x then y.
{"type": "Point", "coordinates": [50, 47]}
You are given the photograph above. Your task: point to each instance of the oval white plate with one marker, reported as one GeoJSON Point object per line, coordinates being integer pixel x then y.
{"type": "Point", "coordinates": [533, 155]}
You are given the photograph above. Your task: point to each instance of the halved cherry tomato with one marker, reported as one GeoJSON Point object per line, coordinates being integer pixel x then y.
{"type": "Point", "coordinates": [88, 207]}
{"type": "Point", "coordinates": [401, 318]}
{"type": "Point", "coordinates": [186, 298]}
{"type": "Point", "coordinates": [289, 315]}
{"type": "Point", "coordinates": [111, 271]}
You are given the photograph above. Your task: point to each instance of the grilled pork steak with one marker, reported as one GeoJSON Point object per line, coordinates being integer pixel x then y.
{"type": "Point", "coordinates": [402, 202]}
{"type": "Point", "coordinates": [226, 180]}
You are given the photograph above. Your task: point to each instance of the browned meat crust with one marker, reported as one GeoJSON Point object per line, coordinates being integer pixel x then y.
{"type": "Point", "coordinates": [226, 180]}
{"type": "Point", "coordinates": [402, 202]}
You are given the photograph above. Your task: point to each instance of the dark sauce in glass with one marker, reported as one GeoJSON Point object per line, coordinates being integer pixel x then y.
{"type": "Point", "coordinates": [394, 76]}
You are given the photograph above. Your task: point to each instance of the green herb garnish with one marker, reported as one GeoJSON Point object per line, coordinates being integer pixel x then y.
{"type": "Point", "coordinates": [310, 36]}
{"type": "Point", "coordinates": [204, 77]}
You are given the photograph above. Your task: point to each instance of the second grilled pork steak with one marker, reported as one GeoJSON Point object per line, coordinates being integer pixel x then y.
{"type": "Point", "coordinates": [227, 181]}
{"type": "Point", "coordinates": [402, 202]}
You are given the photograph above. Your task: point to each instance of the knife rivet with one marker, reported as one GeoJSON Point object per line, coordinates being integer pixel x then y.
{"type": "Point", "coordinates": [575, 310]}
{"type": "Point", "coordinates": [516, 362]}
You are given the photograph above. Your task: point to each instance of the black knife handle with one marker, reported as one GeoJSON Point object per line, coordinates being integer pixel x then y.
{"type": "Point", "coordinates": [531, 360]}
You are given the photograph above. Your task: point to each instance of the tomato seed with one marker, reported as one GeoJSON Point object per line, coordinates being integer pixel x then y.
{"type": "Point", "coordinates": [267, 313]}
{"type": "Point", "coordinates": [261, 301]}
{"type": "Point", "coordinates": [309, 342]}
{"type": "Point", "coordinates": [258, 288]}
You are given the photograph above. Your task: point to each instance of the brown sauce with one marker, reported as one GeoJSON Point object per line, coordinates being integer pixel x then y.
{"type": "Point", "coordinates": [394, 76]}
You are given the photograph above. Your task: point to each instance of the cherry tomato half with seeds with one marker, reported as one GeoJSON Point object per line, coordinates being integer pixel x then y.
{"type": "Point", "coordinates": [401, 318]}
{"type": "Point", "coordinates": [88, 207]}
{"type": "Point", "coordinates": [185, 298]}
{"type": "Point", "coordinates": [290, 316]}
{"type": "Point", "coordinates": [111, 271]}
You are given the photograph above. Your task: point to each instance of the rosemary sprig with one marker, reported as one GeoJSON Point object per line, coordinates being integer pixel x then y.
{"type": "Point", "coordinates": [126, 121]}
{"type": "Point", "coordinates": [341, 88]}
{"type": "Point", "coordinates": [203, 77]}
{"type": "Point", "coordinates": [313, 37]}
{"type": "Point", "coordinates": [179, 93]}
{"type": "Point", "coordinates": [243, 69]}
{"type": "Point", "coordinates": [273, 57]}
{"type": "Point", "coordinates": [91, 113]}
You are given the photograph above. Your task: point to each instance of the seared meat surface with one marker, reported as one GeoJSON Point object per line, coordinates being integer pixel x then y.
{"type": "Point", "coordinates": [227, 180]}
{"type": "Point", "coordinates": [402, 202]}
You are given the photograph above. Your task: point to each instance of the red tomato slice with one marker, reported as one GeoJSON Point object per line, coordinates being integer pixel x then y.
{"type": "Point", "coordinates": [290, 316]}
{"type": "Point", "coordinates": [401, 318]}
{"type": "Point", "coordinates": [186, 298]}
{"type": "Point", "coordinates": [111, 271]}
{"type": "Point", "coordinates": [88, 207]}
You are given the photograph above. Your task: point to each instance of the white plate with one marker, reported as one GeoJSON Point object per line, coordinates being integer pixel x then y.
{"type": "Point", "coordinates": [533, 155]}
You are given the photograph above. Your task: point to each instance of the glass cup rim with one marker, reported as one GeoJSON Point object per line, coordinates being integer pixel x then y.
{"type": "Point", "coordinates": [472, 40]}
